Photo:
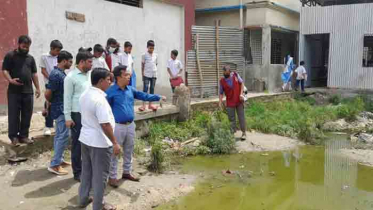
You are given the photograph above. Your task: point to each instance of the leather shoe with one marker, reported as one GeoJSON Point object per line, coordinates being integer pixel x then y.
{"type": "Point", "coordinates": [113, 183]}
{"type": "Point", "coordinates": [130, 177]}
{"type": "Point", "coordinates": [26, 141]}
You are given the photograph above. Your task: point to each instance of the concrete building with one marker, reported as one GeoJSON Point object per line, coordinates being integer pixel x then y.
{"type": "Point", "coordinates": [88, 22]}
{"type": "Point", "coordinates": [336, 43]}
{"type": "Point", "coordinates": [271, 33]}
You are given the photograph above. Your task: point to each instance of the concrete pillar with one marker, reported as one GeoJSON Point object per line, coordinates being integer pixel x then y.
{"type": "Point", "coordinates": [183, 101]}
{"type": "Point", "coordinates": [266, 54]}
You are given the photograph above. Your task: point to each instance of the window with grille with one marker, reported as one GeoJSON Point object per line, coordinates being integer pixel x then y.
{"type": "Point", "coordinates": [276, 49]}
{"type": "Point", "coordinates": [134, 3]}
{"type": "Point", "coordinates": [256, 46]}
{"type": "Point", "coordinates": [368, 51]}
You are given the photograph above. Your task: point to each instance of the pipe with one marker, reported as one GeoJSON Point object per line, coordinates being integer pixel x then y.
{"type": "Point", "coordinates": [220, 9]}
{"type": "Point", "coordinates": [241, 14]}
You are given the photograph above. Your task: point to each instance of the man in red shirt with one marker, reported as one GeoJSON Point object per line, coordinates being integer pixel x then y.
{"type": "Point", "coordinates": [232, 86]}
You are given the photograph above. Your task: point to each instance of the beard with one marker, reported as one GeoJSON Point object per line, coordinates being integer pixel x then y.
{"type": "Point", "coordinates": [22, 51]}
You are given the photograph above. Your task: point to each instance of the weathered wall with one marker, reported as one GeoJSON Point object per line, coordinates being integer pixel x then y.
{"type": "Point", "coordinates": [283, 19]}
{"type": "Point", "coordinates": [13, 22]}
{"type": "Point", "coordinates": [347, 25]}
{"type": "Point", "coordinates": [228, 18]}
{"type": "Point", "coordinates": [145, 24]}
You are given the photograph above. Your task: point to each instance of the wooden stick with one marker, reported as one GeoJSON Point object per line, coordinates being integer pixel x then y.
{"type": "Point", "coordinates": [199, 64]}
{"type": "Point", "coordinates": [217, 23]}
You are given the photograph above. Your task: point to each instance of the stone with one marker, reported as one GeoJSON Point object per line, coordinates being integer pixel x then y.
{"type": "Point", "coordinates": [339, 125]}
{"type": "Point", "coordinates": [365, 138]}
{"type": "Point", "coordinates": [183, 95]}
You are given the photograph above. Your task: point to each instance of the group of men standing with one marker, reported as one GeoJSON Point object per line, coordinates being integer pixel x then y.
{"type": "Point", "coordinates": [99, 114]}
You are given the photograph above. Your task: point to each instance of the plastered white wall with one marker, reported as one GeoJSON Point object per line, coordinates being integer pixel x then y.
{"type": "Point", "coordinates": [159, 21]}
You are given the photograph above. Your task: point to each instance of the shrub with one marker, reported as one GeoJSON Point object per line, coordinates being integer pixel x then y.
{"type": "Point", "coordinates": [220, 139]}
{"type": "Point", "coordinates": [157, 158]}
{"type": "Point", "coordinates": [335, 99]}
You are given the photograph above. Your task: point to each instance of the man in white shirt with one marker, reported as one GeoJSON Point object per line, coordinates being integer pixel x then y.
{"type": "Point", "coordinates": [301, 76]}
{"type": "Point", "coordinates": [98, 61]}
{"type": "Point", "coordinates": [149, 70]}
{"type": "Point", "coordinates": [97, 140]}
{"type": "Point", "coordinates": [47, 63]}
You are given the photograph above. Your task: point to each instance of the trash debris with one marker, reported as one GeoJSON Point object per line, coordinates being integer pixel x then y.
{"type": "Point", "coordinates": [272, 173]}
{"type": "Point", "coordinates": [264, 154]}
{"type": "Point", "coordinates": [229, 172]}
{"type": "Point", "coordinates": [242, 166]}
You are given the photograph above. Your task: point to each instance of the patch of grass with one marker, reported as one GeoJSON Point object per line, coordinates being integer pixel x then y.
{"type": "Point", "coordinates": [335, 99]}
{"type": "Point", "coordinates": [299, 118]}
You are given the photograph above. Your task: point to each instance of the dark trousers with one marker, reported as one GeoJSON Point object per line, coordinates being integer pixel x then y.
{"type": "Point", "coordinates": [76, 154]}
{"type": "Point", "coordinates": [48, 118]}
{"type": "Point", "coordinates": [301, 82]}
{"type": "Point", "coordinates": [241, 117]}
{"type": "Point", "coordinates": [20, 108]}
{"type": "Point", "coordinates": [96, 165]}
{"type": "Point", "coordinates": [149, 81]}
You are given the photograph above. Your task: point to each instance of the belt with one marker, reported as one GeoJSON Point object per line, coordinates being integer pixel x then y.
{"type": "Point", "coordinates": [125, 123]}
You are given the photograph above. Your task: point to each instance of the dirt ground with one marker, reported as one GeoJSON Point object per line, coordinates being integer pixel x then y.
{"type": "Point", "coordinates": [29, 186]}
{"type": "Point", "coordinates": [364, 157]}
{"type": "Point", "coordinates": [264, 142]}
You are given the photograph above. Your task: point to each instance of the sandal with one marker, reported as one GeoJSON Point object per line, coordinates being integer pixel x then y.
{"type": "Point", "coordinates": [142, 108]}
{"type": "Point", "coordinates": [108, 207]}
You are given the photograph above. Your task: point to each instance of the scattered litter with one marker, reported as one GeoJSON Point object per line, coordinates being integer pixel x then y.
{"type": "Point", "coordinates": [229, 172]}
{"type": "Point", "coordinates": [345, 187]}
{"type": "Point", "coordinates": [12, 173]}
{"type": "Point", "coordinates": [264, 154]}
{"type": "Point", "coordinates": [22, 202]}
{"type": "Point", "coordinates": [272, 173]}
{"type": "Point", "coordinates": [242, 166]}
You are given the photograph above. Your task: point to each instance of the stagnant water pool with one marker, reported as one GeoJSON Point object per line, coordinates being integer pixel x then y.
{"type": "Point", "coordinates": [308, 178]}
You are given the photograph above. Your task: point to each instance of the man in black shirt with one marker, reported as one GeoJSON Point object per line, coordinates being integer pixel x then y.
{"type": "Point", "coordinates": [20, 70]}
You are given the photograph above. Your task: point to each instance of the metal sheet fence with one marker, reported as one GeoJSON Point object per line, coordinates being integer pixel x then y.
{"type": "Point", "coordinates": [231, 52]}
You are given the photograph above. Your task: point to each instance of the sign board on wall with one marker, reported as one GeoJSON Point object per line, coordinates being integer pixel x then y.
{"type": "Point", "coordinates": [75, 16]}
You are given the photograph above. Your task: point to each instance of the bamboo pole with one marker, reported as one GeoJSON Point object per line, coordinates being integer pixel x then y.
{"type": "Point", "coordinates": [217, 24]}
{"type": "Point", "coordinates": [199, 64]}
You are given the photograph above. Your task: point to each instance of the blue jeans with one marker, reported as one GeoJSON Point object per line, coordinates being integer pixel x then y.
{"type": "Point", "coordinates": [301, 85]}
{"type": "Point", "coordinates": [151, 81]}
{"type": "Point", "coordinates": [61, 140]}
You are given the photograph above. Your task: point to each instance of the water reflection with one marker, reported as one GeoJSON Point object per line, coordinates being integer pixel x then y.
{"type": "Point", "coordinates": [317, 178]}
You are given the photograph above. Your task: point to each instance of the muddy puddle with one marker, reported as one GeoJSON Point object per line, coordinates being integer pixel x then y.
{"type": "Point", "coordinates": [308, 178]}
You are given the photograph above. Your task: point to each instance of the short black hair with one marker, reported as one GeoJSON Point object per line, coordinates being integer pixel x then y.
{"type": "Point", "coordinates": [98, 74]}
{"type": "Point", "coordinates": [83, 56]}
{"type": "Point", "coordinates": [118, 71]}
{"type": "Point", "coordinates": [127, 44]}
{"type": "Point", "coordinates": [111, 41]}
{"type": "Point", "coordinates": [150, 43]}
{"type": "Point", "coordinates": [98, 48]}
{"type": "Point", "coordinates": [175, 53]}
{"type": "Point", "coordinates": [56, 44]}
{"type": "Point", "coordinates": [24, 39]}
{"type": "Point", "coordinates": [89, 49]}
{"type": "Point", "coordinates": [64, 55]}
{"type": "Point", "coordinates": [302, 63]}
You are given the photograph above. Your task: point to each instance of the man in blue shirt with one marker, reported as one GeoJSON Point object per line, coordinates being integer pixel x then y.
{"type": "Point", "coordinates": [54, 94]}
{"type": "Point", "coordinates": [121, 98]}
